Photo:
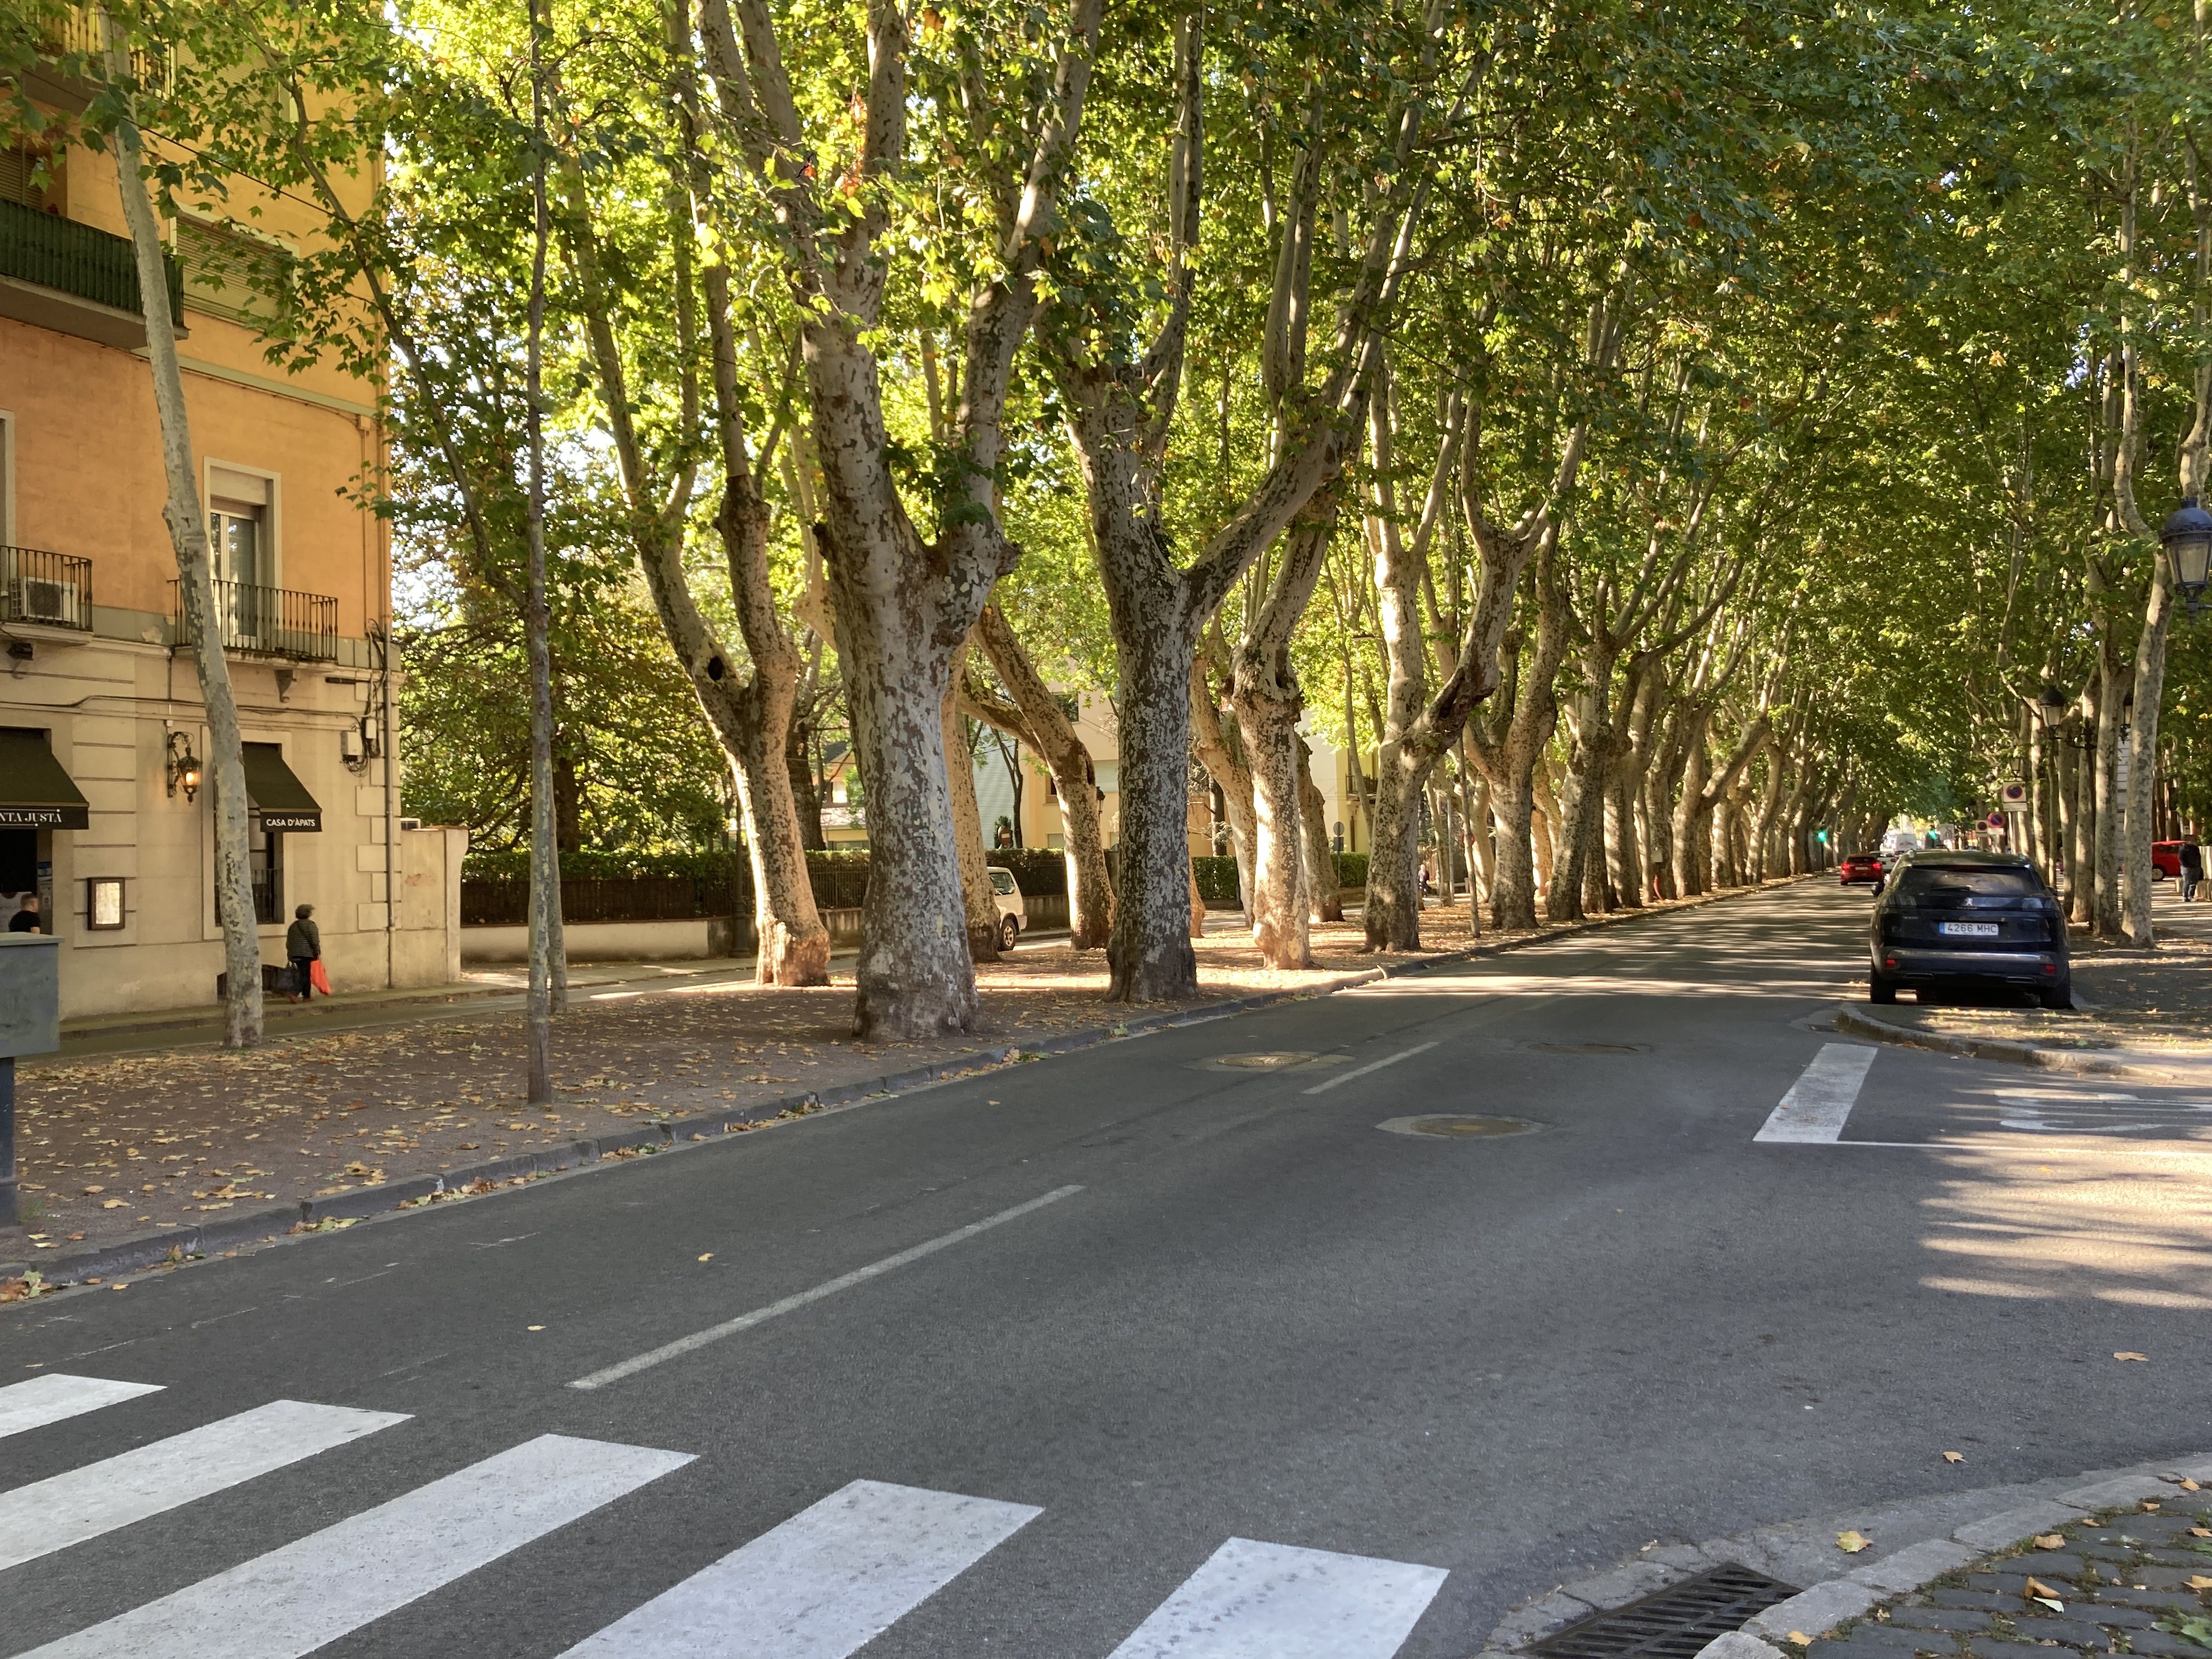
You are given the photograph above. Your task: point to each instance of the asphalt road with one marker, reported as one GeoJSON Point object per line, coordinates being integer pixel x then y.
{"type": "Point", "coordinates": [1515, 1359]}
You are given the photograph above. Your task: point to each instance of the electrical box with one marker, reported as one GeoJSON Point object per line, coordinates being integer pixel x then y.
{"type": "Point", "coordinates": [30, 994]}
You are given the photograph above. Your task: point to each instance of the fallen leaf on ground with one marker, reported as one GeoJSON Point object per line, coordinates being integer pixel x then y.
{"type": "Point", "coordinates": [2051, 1540]}
{"type": "Point", "coordinates": [2187, 1485]}
{"type": "Point", "coordinates": [537, 1328]}
{"type": "Point", "coordinates": [2123, 1354]}
{"type": "Point", "coordinates": [113, 1204]}
{"type": "Point", "coordinates": [89, 1191]}
{"type": "Point", "coordinates": [709, 1257]}
{"type": "Point", "coordinates": [2198, 1581]}
{"type": "Point", "coordinates": [1954, 1457]}
{"type": "Point", "coordinates": [2200, 1532]}
{"type": "Point", "coordinates": [2038, 1590]}
{"type": "Point", "coordinates": [1853, 1540]}
{"type": "Point", "coordinates": [1799, 1638]}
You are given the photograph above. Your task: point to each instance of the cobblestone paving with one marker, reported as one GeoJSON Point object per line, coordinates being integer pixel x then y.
{"type": "Point", "coordinates": [2133, 1583]}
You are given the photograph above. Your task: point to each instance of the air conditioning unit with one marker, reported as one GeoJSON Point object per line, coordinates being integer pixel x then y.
{"type": "Point", "coordinates": [39, 600]}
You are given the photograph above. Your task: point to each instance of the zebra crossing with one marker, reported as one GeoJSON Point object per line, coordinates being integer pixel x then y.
{"type": "Point", "coordinates": [820, 1585]}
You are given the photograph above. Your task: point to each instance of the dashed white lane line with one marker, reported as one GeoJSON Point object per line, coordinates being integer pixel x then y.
{"type": "Point", "coordinates": [746, 1322]}
{"type": "Point", "coordinates": [49, 1398]}
{"type": "Point", "coordinates": [821, 1586]}
{"type": "Point", "coordinates": [1372, 1066]}
{"type": "Point", "coordinates": [1819, 1102]}
{"type": "Point", "coordinates": [117, 1491]}
{"type": "Point", "coordinates": [309, 1593]}
{"type": "Point", "coordinates": [1254, 1600]}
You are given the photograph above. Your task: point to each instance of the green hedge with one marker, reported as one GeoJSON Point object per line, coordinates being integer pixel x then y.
{"type": "Point", "coordinates": [1038, 869]}
{"type": "Point", "coordinates": [1216, 878]}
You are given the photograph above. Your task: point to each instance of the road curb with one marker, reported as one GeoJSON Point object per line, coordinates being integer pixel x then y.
{"type": "Point", "coordinates": [170, 1246]}
{"type": "Point", "coordinates": [1819, 1607]}
{"type": "Point", "coordinates": [2072, 1062]}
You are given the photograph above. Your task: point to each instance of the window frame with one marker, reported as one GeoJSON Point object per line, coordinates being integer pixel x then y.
{"type": "Point", "coordinates": [93, 886]}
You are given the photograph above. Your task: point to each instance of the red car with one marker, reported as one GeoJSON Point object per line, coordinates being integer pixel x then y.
{"type": "Point", "coordinates": [2166, 861]}
{"type": "Point", "coordinates": [1861, 867]}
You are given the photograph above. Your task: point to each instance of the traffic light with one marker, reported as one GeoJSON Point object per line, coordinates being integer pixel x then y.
{"type": "Point", "coordinates": [1820, 835]}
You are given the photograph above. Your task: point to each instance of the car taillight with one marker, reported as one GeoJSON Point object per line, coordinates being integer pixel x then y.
{"type": "Point", "coordinates": [1889, 962]}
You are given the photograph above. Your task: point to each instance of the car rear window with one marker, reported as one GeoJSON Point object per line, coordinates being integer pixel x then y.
{"type": "Point", "coordinates": [1921, 882]}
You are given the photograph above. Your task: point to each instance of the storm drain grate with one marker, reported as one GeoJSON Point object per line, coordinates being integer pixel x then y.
{"type": "Point", "coordinates": [1673, 1624]}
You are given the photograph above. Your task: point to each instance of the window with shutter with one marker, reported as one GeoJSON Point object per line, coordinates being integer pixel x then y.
{"type": "Point", "coordinates": [229, 273]}
{"type": "Point", "coordinates": [18, 174]}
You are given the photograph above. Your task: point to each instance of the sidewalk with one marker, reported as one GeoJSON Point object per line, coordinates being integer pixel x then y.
{"type": "Point", "coordinates": [2146, 1015]}
{"type": "Point", "coordinates": [114, 1145]}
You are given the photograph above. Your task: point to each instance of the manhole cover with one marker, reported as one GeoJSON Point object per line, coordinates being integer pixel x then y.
{"type": "Point", "coordinates": [1675, 1623]}
{"type": "Point", "coordinates": [1452, 1127]}
{"type": "Point", "coordinates": [1593, 1047]}
{"type": "Point", "coordinates": [1272, 1059]}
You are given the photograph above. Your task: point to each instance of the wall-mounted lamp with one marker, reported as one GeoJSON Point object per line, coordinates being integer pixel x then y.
{"type": "Point", "coordinates": [183, 766]}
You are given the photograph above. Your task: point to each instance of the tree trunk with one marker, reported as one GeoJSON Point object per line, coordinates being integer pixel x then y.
{"type": "Point", "coordinates": [1582, 793]}
{"type": "Point", "coordinates": [981, 910]}
{"type": "Point", "coordinates": [2110, 716]}
{"type": "Point", "coordinates": [1321, 884]}
{"type": "Point", "coordinates": [2138, 830]}
{"type": "Point", "coordinates": [188, 535]}
{"type": "Point", "coordinates": [1689, 808]}
{"type": "Point", "coordinates": [1512, 802]}
{"type": "Point", "coordinates": [1149, 955]}
{"type": "Point", "coordinates": [1221, 752]}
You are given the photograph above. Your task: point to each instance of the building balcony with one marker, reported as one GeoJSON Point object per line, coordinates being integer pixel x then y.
{"type": "Point", "coordinates": [266, 622]}
{"type": "Point", "coordinates": [45, 590]}
{"type": "Point", "coordinates": [72, 61]}
{"type": "Point", "coordinates": [58, 274]}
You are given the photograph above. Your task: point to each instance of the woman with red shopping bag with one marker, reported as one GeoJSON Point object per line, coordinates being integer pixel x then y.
{"type": "Point", "coordinates": [303, 945]}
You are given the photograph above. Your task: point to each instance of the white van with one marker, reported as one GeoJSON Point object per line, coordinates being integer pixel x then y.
{"type": "Point", "coordinates": [1013, 912]}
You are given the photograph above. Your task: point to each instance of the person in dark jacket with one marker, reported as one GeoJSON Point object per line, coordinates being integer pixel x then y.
{"type": "Point", "coordinates": [303, 945]}
{"type": "Point", "coordinates": [26, 921]}
{"type": "Point", "coordinates": [2191, 858]}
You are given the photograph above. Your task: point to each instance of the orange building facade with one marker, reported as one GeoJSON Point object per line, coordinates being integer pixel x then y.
{"type": "Point", "coordinates": [102, 731]}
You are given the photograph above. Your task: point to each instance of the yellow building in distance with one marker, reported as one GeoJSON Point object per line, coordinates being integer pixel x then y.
{"type": "Point", "coordinates": [103, 820]}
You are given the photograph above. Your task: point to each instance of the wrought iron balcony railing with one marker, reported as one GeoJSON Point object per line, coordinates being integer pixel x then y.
{"type": "Point", "coordinates": [52, 589]}
{"type": "Point", "coordinates": [267, 622]}
{"type": "Point", "coordinates": [78, 38]}
{"type": "Point", "coordinates": [75, 259]}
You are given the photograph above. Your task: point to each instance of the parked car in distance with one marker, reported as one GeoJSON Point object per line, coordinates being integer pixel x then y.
{"type": "Point", "coordinates": [1962, 918]}
{"type": "Point", "coordinates": [1859, 868]}
{"type": "Point", "coordinates": [1014, 909]}
{"type": "Point", "coordinates": [2164, 860]}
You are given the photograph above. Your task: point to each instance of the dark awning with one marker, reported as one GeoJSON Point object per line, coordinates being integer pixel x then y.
{"type": "Point", "coordinates": [35, 794]}
{"type": "Point", "coordinates": [280, 798]}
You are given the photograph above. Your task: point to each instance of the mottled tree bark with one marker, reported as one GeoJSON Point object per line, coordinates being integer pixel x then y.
{"type": "Point", "coordinates": [1322, 886]}
{"type": "Point", "coordinates": [902, 606]}
{"type": "Point", "coordinates": [188, 536]}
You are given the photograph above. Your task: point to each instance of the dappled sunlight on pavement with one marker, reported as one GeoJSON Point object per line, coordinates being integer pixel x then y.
{"type": "Point", "coordinates": [2128, 1223]}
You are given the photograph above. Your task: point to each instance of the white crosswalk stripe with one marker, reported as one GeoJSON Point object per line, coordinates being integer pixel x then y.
{"type": "Point", "coordinates": [1254, 1600]}
{"type": "Point", "coordinates": [50, 1399]}
{"type": "Point", "coordinates": [53, 1514]}
{"type": "Point", "coordinates": [822, 1585]}
{"type": "Point", "coordinates": [1819, 1102]}
{"type": "Point", "coordinates": [295, 1599]}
